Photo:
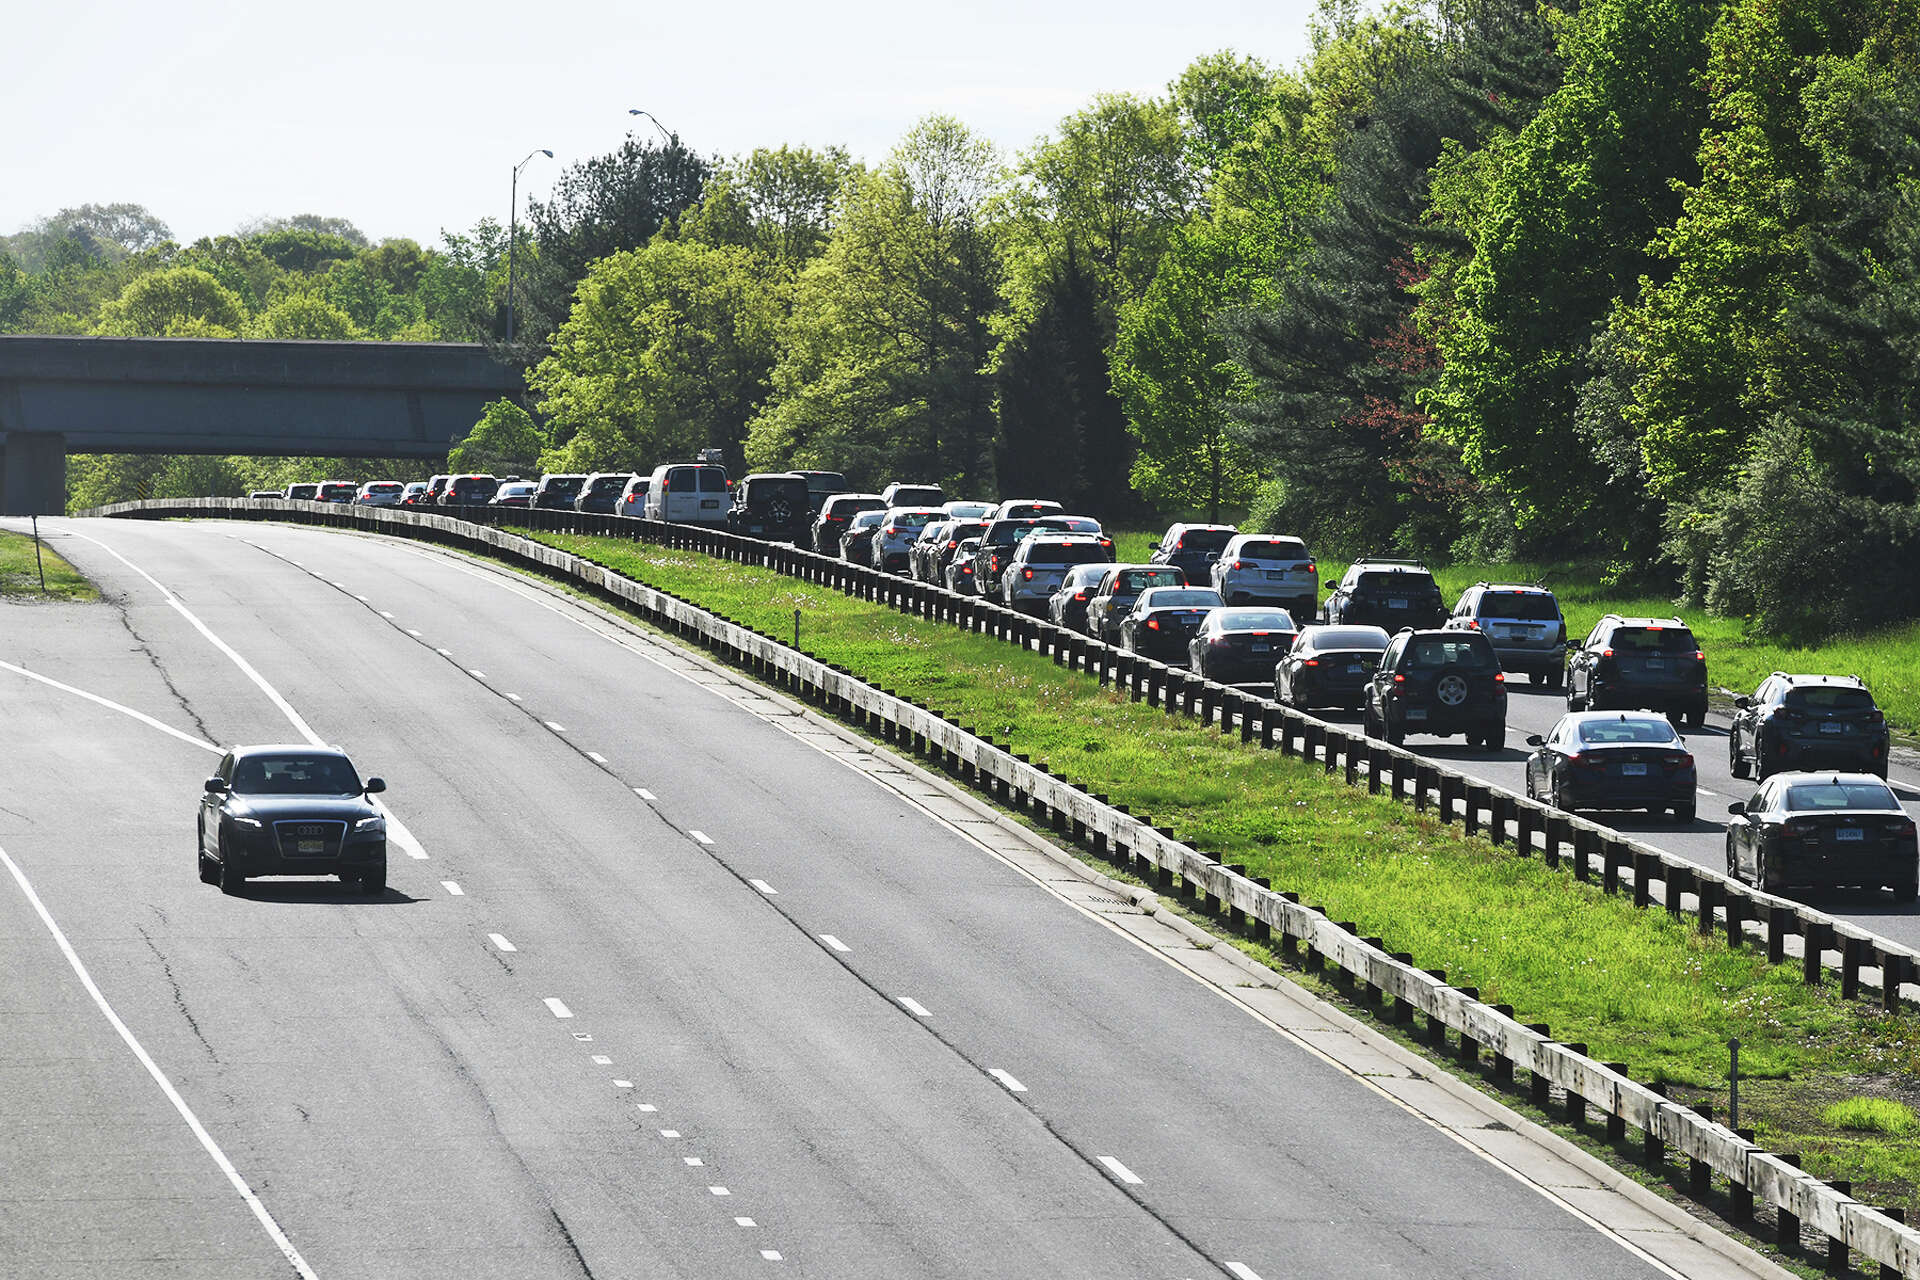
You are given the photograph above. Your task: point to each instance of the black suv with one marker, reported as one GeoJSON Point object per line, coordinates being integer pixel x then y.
{"type": "Point", "coordinates": [1807, 722]}
{"type": "Point", "coordinates": [1380, 592]}
{"type": "Point", "coordinates": [557, 492]}
{"type": "Point", "coordinates": [1639, 664]}
{"type": "Point", "coordinates": [600, 495]}
{"type": "Point", "coordinates": [772, 504]}
{"type": "Point", "coordinates": [1193, 547]}
{"type": "Point", "coordinates": [1438, 682]}
{"type": "Point", "coordinates": [291, 811]}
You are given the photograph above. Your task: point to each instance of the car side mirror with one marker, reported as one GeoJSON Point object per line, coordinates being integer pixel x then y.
{"type": "Point", "coordinates": [1743, 702]}
{"type": "Point", "coordinates": [1535, 740]}
{"type": "Point", "coordinates": [216, 786]}
{"type": "Point", "coordinates": [375, 785]}
{"type": "Point", "coordinates": [1738, 808]}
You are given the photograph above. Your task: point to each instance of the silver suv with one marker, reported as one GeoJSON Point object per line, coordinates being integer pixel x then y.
{"type": "Point", "coordinates": [1524, 624]}
{"type": "Point", "coordinates": [1262, 568]}
{"type": "Point", "coordinates": [1040, 563]}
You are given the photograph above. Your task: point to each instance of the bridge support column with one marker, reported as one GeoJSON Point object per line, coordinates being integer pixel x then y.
{"type": "Point", "coordinates": [33, 474]}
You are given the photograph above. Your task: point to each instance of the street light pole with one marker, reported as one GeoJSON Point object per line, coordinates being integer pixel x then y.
{"type": "Point", "coordinates": [513, 228]}
{"type": "Point", "coordinates": [673, 139]}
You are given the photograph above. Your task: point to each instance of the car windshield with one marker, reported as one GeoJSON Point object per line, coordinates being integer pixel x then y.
{"type": "Point", "coordinates": [1402, 583]}
{"type": "Point", "coordinates": [1830, 697]}
{"type": "Point", "coordinates": [1181, 598]}
{"type": "Point", "coordinates": [514, 491]}
{"type": "Point", "coordinates": [1136, 580]}
{"type": "Point", "coordinates": [1203, 540]}
{"type": "Point", "coordinates": [844, 507]}
{"type": "Point", "coordinates": [1639, 641]}
{"type": "Point", "coordinates": [767, 490]}
{"type": "Point", "coordinates": [1523, 606]}
{"type": "Point", "coordinates": [911, 519]}
{"type": "Point", "coordinates": [1254, 620]}
{"type": "Point", "coordinates": [1274, 549]}
{"type": "Point", "coordinates": [1019, 509]}
{"type": "Point", "coordinates": [1815, 797]}
{"type": "Point", "coordinates": [1369, 638]}
{"type": "Point", "coordinates": [1086, 575]}
{"type": "Point", "coordinates": [867, 519]}
{"type": "Point", "coordinates": [1057, 553]}
{"type": "Point", "coordinates": [608, 484]}
{"type": "Point", "coordinates": [387, 487]}
{"type": "Point", "coordinates": [826, 482]}
{"type": "Point", "coordinates": [1432, 652]}
{"type": "Point", "coordinates": [295, 775]}
{"type": "Point", "coordinates": [1626, 729]}
{"type": "Point", "coordinates": [908, 494]}
{"type": "Point", "coordinates": [568, 485]}
{"type": "Point", "coordinates": [969, 510]}
{"type": "Point", "coordinates": [713, 479]}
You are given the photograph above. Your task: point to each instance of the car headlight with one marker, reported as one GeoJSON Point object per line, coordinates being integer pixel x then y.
{"type": "Point", "coordinates": [375, 823]}
{"type": "Point", "coordinates": [250, 822]}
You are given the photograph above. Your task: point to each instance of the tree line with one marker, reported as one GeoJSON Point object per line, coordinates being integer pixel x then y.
{"type": "Point", "coordinates": [1629, 281]}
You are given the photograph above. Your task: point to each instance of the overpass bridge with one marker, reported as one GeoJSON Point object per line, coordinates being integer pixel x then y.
{"type": "Point", "coordinates": [224, 395]}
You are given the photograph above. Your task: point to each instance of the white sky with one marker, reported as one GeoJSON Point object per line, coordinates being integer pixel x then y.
{"type": "Point", "coordinates": [408, 117]}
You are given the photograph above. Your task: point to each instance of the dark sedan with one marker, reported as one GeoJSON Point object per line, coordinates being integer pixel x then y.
{"type": "Point", "coordinates": [1329, 667]}
{"type": "Point", "coordinates": [1067, 607]}
{"type": "Point", "coordinates": [856, 543]}
{"type": "Point", "coordinates": [291, 811]}
{"type": "Point", "coordinates": [601, 492]}
{"type": "Point", "coordinates": [1164, 619]}
{"type": "Point", "coordinates": [1613, 760]}
{"type": "Point", "coordinates": [1241, 646]}
{"type": "Point", "coordinates": [1823, 829]}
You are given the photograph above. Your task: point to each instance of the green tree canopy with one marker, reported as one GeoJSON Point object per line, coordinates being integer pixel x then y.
{"type": "Point", "coordinates": [174, 303]}
{"type": "Point", "coordinates": [503, 443]}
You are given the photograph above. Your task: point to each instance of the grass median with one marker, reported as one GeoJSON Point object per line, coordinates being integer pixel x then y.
{"type": "Point", "coordinates": [1634, 985]}
{"type": "Point", "coordinates": [20, 575]}
{"type": "Point", "coordinates": [1888, 659]}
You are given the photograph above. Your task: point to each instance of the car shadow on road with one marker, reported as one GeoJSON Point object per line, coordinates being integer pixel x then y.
{"type": "Point", "coordinates": [305, 890]}
{"type": "Point", "coordinates": [1447, 749]}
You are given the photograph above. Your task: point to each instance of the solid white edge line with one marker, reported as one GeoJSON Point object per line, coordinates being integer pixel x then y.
{"type": "Point", "coordinates": [1121, 1171]}
{"type": "Point", "coordinates": [1243, 1271]}
{"type": "Point", "coordinates": [141, 716]}
{"type": "Point", "coordinates": [557, 1007]}
{"type": "Point", "coordinates": [212, 1148]}
{"type": "Point", "coordinates": [1013, 1086]}
{"type": "Point", "coordinates": [914, 1007]}
{"type": "Point", "coordinates": [513, 697]}
{"type": "Point", "coordinates": [397, 832]}
{"type": "Point", "coordinates": [834, 942]}
{"type": "Point", "coordinates": [501, 943]}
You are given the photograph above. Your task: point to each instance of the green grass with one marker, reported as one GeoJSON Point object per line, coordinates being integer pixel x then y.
{"type": "Point", "coordinates": [1636, 986]}
{"type": "Point", "coordinates": [1871, 1115]}
{"type": "Point", "coordinates": [1887, 659]}
{"type": "Point", "coordinates": [19, 578]}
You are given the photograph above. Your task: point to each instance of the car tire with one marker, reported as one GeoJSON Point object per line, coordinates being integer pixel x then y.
{"type": "Point", "coordinates": [1557, 797]}
{"type": "Point", "coordinates": [1686, 813]}
{"type": "Point", "coordinates": [1573, 703]}
{"type": "Point", "coordinates": [1737, 764]}
{"type": "Point", "coordinates": [1907, 891]}
{"type": "Point", "coordinates": [1369, 727]}
{"type": "Point", "coordinates": [374, 883]}
{"type": "Point", "coordinates": [209, 870]}
{"type": "Point", "coordinates": [1697, 716]}
{"type": "Point", "coordinates": [1396, 735]}
{"type": "Point", "coordinates": [229, 879]}
{"type": "Point", "coordinates": [1733, 862]}
{"type": "Point", "coordinates": [1763, 875]}
{"type": "Point", "coordinates": [1494, 739]}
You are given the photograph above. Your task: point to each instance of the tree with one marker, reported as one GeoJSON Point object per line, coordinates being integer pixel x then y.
{"type": "Point", "coordinates": [303, 251]}
{"type": "Point", "coordinates": [504, 442]}
{"type": "Point", "coordinates": [304, 316]}
{"type": "Point", "coordinates": [777, 202]}
{"type": "Point", "coordinates": [882, 371]}
{"type": "Point", "coordinates": [312, 223]}
{"type": "Point", "coordinates": [669, 349]}
{"type": "Point", "coordinates": [176, 302]}
{"type": "Point", "coordinates": [105, 231]}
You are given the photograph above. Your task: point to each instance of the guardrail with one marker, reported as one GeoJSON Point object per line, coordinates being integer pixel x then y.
{"type": "Point", "coordinates": [1482, 1035]}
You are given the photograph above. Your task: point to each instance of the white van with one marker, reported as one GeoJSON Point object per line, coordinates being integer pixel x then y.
{"type": "Point", "coordinates": [688, 493]}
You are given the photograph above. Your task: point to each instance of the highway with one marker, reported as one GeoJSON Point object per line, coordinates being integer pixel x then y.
{"type": "Point", "coordinates": [659, 988]}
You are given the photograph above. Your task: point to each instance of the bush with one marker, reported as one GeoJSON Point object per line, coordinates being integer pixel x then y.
{"type": "Point", "coordinates": [1871, 1115]}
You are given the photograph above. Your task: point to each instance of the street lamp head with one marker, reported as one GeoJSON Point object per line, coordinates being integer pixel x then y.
{"type": "Point", "coordinates": [548, 154]}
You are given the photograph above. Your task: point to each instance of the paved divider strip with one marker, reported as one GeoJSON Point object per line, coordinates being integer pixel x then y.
{"type": "Point", "coordinates": [1482, 1035]}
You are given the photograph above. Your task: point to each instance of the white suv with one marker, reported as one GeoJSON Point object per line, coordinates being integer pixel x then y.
{"type": "Point", "coordinates": [893, 540]}
{"type": "Point", "coordinates": [1262, 568]}
{"type": "Point", "coordinates": [1040, 564]}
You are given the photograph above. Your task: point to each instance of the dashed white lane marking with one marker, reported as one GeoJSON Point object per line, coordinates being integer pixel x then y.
{"type": "Point", "coordinates": [513, 697]}
{"type": "Point", "coordinates": [645, 1106]}
{"type": "Point", "coordinates": [701, 836]}
{"type": "Point", "coordinates": [834, 942]}
{"type": "Point", "coordinates": [386, 615]}
{"type": "Point", "coordinates": [645, 794]}
{"type": "Point", "coordinates": [453, 888]}
{"type": "Point", "coordinates": [413, 633]}
{"type": "Point", "coordinates": [693, 1162]}
{"type": "Point", "coordinates": [1242, 1270]}
{"type": "Point", "coordinates": [342, 586]}
{"type": "Point", "coordinates": [1121, 1171]}
{"type": "Point", "coordinates": [559, 1008]}
{"type": "Point", "coordinates": [914, 1007]}
{"type": "Point", "coordinates": [141, 716]}
{"type": "Point", "coordinates": [669, 1133]}
{"type": "Point", "coordinates": [1703, 791]}
{"type": "Point", "coordinates": [1007, 1079]}
{"type": "Point", "coordinates": [623, 1084]}
{"type": "Point", "coordinates": [765, 888]}
{"type": "Point", "coordinates": [363, 600]}
{"type": "Point", "coordinates": [501, 942]}
{"type": "Point", "coordinates": [596, 757]}
{"type": "Point", "coordinates": [771, 1255]}
{"type": "Point", "coordinates": [602, 1060]}
{"type": "Point", "coordinates": [212, 1148]}
{"type": "Point", "coordinates": [745, 1222]}
{"type": "Point", "coordinates": [720, 1191]}
{"type": "Point", "coordinates": [551, 725]}
{"type": "Point", "coordinates": [445, 653]}
{"type": "Point", "coordinates": [476, 673]}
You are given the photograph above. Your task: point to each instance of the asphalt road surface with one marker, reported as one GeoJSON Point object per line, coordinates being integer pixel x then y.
{"type": "Point", "coordinates": [657, 989]}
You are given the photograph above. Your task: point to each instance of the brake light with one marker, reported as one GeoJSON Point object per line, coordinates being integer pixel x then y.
{"type": "Point", "coordinates": [1079, 595]}
{"type": "Point", "coordinates": [1472, 625]}
{"type": "Point", "coordinates": [1903, 828]}
{"type": "Point", "coordinates": [1027, 574]}
{"type": "Point", "coordinates": [1589, 762]}
{"type": "Point", "coordinates": [889, 530]}
{"type": "Point", "coordinates": [1499, 677]}
{"type": "Point", "coordinates": [1312, 567]}
{"type": "Point", "coordinates": [1656, 628]}
{"type": "Point", "coordinates": [1699, 655]}
{"type": "Point", "coordinates": [1800, 827]}
{"type": "Point", "coordinates": [1399, 679]}
{"type": "Point", "coordinates": [1311, 662]}
{"type": "Point", "coordinates": [952, 545]}
{"type": "Point", "coordinates": [1875, 717]}
{"type": "Point", "coordinates": [1153, 624]}
{"type": "Point", "coordinates": [1606, 653]}
{"type": "Point", "coordinates": [1239, 564]}
{"type": "Point", "coordinates": [1259, 633]}
{"type": "Point", "coordinates": [1180, 545]}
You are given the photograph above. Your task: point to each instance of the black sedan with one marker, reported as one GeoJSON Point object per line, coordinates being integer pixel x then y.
{"type": "Point", "coordinates": [1824, 829]}
{"type": "Point", "coordinates": [1613, 760]}
{"type": "Point", "coordinates": [1164, 619]}
{"type": "Point", "coordinates": [1329, 667]}
{"type": "Point", "coordinates": [291, 811]}
{"type": "Point", "coordinates": [856, 544]}
{"type": "Point", "coordinates": [1067, 607]}
{"type": "Point", "coordinates": [1241, 645]}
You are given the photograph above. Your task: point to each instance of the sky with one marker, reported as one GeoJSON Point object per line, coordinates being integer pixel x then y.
{"type": "Point", "coordinates": [407, 118]}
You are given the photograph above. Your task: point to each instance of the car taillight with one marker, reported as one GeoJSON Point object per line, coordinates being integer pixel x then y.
{"type": "Point", "coordinates": [1079, 595]}
{"type": "Point", "coordinates": [1499, 677]}
{"type": "Point", "coordinates": [952, 545]}
{"type": "Point", "coordinates": [1153, 624]}
{"type": "Point", "coordinates": [1027, 574]}
{"type": "Point", "coordinates": [1800, 827]}
{"type": "Point", "coordinates": [1902, 827]}
{"type": "Point", "coordinates": [1311, 662]}
{"type": "Point", "coordinates": [1239, 564]}
{"type": "Point", "coordinates": [1699, 655]}
{"type": "Point", "coordinates": [1312, 567]}
{"type": "Point", "coordinates": [1180, 545]}
{"type": "Point", "coordinates": [1681, 761]}
{"type": "Point", "coordinates": [1399, 679]}
{"type": "Point", "coordinates": [1606, 653]}
{"type": "Point", "coordinates": [1875, 716]}
{"type": "Point", "coordinates": [1589, 762]}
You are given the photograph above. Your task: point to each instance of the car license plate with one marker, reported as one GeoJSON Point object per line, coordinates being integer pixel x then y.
{"type": "Point", "coordinates": [1656, 664]}
{"type": "Point", "coordinates": [1416, 713]}
{"type": "Point", "coordinates": [1262, 648]}
{"type": "Point", "coordinates": [1845, 834]}
{"type": "Point", "coordinates": [1357, 669]}
{"type": "Point", "coordinates": [1276, 575]}
{"type": "Point", "coordinates": [1831, 727]}
{"type": "Point", "coordinates": [709, 504]}
{"type": "Point", "coordinates": [310, 846]}
{"type": "Point", "coordinates": [1633, 771]}
{"type": "Point", "coordinates": [1396, 604]}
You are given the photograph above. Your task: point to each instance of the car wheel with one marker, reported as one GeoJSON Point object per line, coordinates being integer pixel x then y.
{"type": "Point", "coordinates": [229, 877]}
{"type": "Point", "coordinates": [1557, 797]}
{"type": "Point", "coordinates": [1907, 890]}
{"type": "Point", "coordinates": [1736, 763]}
{"type": "Point", "coordinates": [1733, 861]}
{"type": "Point", "coordinates": [1574, 703]}
{"type": "Point", "coordinates": [1763, 873]}
{"type": "Point", "coordinates": [1685, 813]}
{"type": "Point", "coordinates": [1494, 739]}
{"type": "Point", "coordinates": [1369, 727]}
{"type": "Point", "coordinates": [1395, 734]}
{"type": "Point", "coordinates": [209, 869]}
{"type": "Point", "coordinates": [374, 882]}
{"type": "Point", "coordinates": [1697, 715]}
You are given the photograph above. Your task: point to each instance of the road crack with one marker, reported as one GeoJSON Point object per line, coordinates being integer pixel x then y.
{"type": "Point", "coordinates": [140, 642]}
{"type": "Point", "coordinates": [179, 997]}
